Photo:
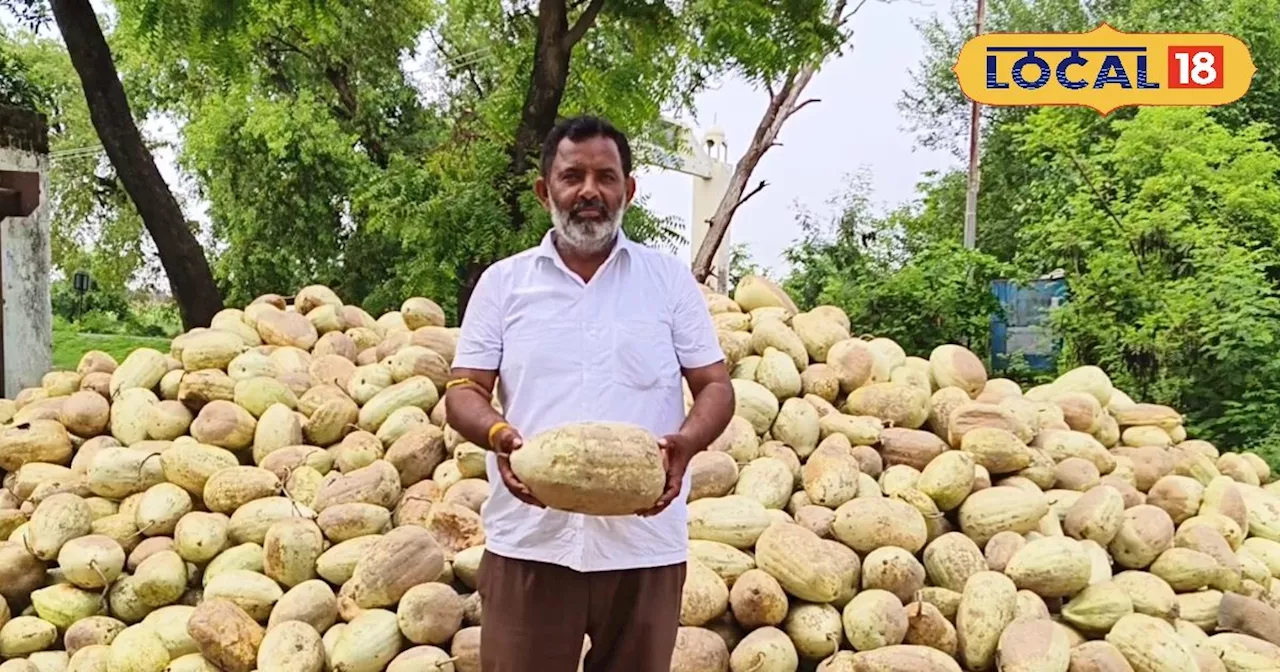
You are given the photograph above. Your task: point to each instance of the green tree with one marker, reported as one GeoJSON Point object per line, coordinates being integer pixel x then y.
{"type": "Point", "coordinates": [288, 110]}
{"type": "Point", "coordinates": [1165, 231]}
{"type": "Point", "coordinates": [16, 86]}
{"type": "Point", "coordinates": [94, 226]}
{"type": "Point", "coordinates": [323, 158]}
{"type": "Point", "coordinates": [180, 253]}
{"type": "Point", "coordinates": [471, 201]}
{"type": "Point", "coordinates": [741, 264]}
{"type": "Point", "coordinates": [1162, 219]}
{"type": "Point", "coordinates": [387, 190]}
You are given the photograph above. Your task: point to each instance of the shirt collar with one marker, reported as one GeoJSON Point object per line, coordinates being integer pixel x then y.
{"type": "Point", "coordinates": [547, 248]}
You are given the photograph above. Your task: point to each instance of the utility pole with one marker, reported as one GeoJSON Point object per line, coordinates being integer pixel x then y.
{"type": "Point", "coordinates": [971, 195]}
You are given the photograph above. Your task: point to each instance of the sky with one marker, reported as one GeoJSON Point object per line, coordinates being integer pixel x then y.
{"type": "Point", "coordinates": [855, 126]}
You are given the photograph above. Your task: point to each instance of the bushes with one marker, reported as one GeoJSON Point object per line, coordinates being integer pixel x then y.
{"type": "Point", "coordinates": [1173, 280]}
{"type": "Point", "coordinates": [103, 311]}
{"type": "Point", "coordinates": [894, 282]}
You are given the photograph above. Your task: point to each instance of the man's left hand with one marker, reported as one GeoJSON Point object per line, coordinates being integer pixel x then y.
{"type": "Point", "coordinates": [677, 450]}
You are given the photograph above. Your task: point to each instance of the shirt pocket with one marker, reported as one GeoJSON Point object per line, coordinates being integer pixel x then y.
{"type": "Point", "coordinates": [646, 357]}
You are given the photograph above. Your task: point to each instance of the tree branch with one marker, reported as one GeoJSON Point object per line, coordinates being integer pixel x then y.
{"type": "Point", "coordinates": [542, 99]}
{"type": "Point", "coordinates": [1106, 208]}
{"type": "Point", "coordinates": [275, 69]}
{"type": "Point", "coordinates": [797, 108]}
{"type": "Point", "coordinates": [284, 45]}
{"type": "Point", "coordinates": [584, 22]}
{"type": "Point", "coordinates": [1102, 203]}
{"type": "Point", "coordinates": [759, 187]}
{"type": "Point", "coordinates": [350, 107]}
{"type": "Point", "coordinates": [337, 76]}
{"type": "Point", "coordinates": [552, 49]}
{"type": "Point", "coordinates": [469, 68]}
{"type": "Point", "coordinates": [842, 19]}
{"type": "Point", "coordinates": [788, 84]}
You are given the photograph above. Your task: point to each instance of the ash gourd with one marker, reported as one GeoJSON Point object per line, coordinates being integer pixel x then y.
{"type": "Point", "coordinates": [248, 500]}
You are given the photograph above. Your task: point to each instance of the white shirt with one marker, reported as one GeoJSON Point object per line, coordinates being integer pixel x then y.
{"type": "Point", "coordinates": [571, 351]}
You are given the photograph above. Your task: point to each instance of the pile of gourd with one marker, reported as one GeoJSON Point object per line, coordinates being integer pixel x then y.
{"type": "Point", "coordinates": [281, 491]}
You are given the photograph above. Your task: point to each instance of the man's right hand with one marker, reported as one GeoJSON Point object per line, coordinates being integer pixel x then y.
{"type": "Point", "coordinates": [507, 441]}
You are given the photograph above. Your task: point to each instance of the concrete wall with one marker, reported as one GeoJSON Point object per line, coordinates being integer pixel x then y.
{"type": "Point", "coordinates": [25, 264]}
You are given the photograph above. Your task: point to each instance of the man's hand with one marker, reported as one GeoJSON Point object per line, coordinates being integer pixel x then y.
{"type": "Point", "coordinates": [677, 450]}
{"type": "Point", "coordinates": [507, 441]}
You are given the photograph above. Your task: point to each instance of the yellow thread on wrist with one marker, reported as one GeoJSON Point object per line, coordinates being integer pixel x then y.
{"type": "Point", "coordinates": [495, 429]}
{"type": "Point", "coordinates": [459, 381]}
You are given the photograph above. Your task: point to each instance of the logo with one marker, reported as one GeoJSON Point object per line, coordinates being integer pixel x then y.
{"type": "Point", "coordinates": [1104, 69]}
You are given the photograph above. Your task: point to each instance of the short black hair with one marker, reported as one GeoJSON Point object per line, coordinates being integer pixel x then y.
{"type": "Point", "coordinates": [580, 128]}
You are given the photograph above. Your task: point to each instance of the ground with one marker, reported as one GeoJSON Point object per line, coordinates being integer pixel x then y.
{"type": "Point", "coordinates": [69, 346]}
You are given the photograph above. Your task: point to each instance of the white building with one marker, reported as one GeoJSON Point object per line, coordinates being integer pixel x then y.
{"type": "Point", "coordinates": [706, 160]}
{"type": "Point", "coordinates": [26, 321]}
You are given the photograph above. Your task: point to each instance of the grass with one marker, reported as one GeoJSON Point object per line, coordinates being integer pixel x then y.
{"type": "Point", "coordinates": [69, 346]}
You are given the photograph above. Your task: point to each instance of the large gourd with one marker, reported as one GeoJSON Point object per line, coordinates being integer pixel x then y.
{"type": "Point", "coordinates": [597, 468]}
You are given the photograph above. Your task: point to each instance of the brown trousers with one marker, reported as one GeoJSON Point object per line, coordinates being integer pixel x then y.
{"type": "Point", "coordinates": [535, 616]}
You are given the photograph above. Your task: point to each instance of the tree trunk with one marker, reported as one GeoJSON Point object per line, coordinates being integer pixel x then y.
{"type": "Point", "coordinates": [552, 49]}
{"type": "Point", "coordinates": [180, 253]}
{"type": "Point", "coordinates": [470, 276]}
{"type": "Point", "coordinates": [339, 77]}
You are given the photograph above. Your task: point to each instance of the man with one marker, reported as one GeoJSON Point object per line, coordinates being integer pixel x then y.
{"type": "Point", "coordinates": [587, 326]}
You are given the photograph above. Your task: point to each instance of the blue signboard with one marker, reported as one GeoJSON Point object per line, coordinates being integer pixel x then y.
{"type": "Point", "coordinates": [1024, 328]}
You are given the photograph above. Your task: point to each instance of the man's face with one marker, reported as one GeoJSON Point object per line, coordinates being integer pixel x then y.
{"type": "Point", "coordinates": [586, 193]}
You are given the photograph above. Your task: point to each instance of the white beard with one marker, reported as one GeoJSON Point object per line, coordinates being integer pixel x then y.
{"type": "Point", "coordinates": [586, 236]}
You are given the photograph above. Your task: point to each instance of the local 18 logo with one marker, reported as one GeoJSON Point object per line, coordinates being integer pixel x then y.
{"type": "Point", "coordinates": [1104, 69]}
